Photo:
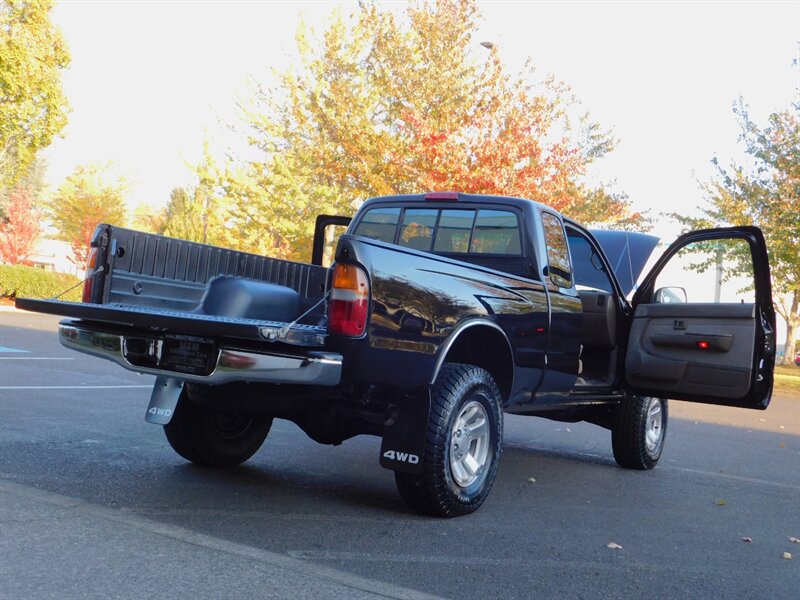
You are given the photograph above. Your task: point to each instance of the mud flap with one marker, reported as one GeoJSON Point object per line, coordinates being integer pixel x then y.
{"type": "Point", "coordinates": [403, 446]}
{"type": "Point", "coordinates": [163, 400]}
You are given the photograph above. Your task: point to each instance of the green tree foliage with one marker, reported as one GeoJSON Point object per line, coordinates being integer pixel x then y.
{"type": "Point", "coordinates": [765, 193]}
{"type": "Point", "coordinates": [199, 213]}
{"type": "Point", "coordinates": [194, 215]}
{"type": "Point", "coordinates": [33, 107]}
{"type": "Point", "coordinates": [385, 105]}
{"type": "Point", "coordinates": [91, 195]}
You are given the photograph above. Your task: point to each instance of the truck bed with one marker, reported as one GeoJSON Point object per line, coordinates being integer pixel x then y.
{"type": "Point", "coordinates": [157, 283]}
{"type": "Point", "coordinates": [152, 270]}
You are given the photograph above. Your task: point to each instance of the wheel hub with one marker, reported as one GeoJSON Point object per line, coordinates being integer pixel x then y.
{"type": "Point", "coordinates": [654, 425]}
{"type": "Point", "coordinates": [469, 444]}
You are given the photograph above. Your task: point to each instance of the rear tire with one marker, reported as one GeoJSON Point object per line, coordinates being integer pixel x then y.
{"type": "Point", "coordinates": [215, 438]}
{"type": "Point", "coordinates": [638, 431]}
{"type": "Point", "coordinates": [463, 444]}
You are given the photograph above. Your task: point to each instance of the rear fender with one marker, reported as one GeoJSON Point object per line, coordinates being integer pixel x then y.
{"type": "Point", "coordinates": [482, 343]}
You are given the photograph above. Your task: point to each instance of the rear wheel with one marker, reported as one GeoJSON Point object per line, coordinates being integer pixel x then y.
{"type": "Point", "coordinates": [463, 444]}
{"type": "Point", "coordinates": [638, 431]}
{"type": "Point", "coordinates": [212, 437]}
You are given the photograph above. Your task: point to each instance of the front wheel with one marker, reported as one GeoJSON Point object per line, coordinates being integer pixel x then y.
{"type": "Point", "coordinates": [638, 430]}
{"type": "Point", "coordinates": [211, 437]}
{"type": "Point", "coordinates": [463, 444]}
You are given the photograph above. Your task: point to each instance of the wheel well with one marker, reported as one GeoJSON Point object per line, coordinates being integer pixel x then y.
{"type": "Point", "coordinates": [487, 348]}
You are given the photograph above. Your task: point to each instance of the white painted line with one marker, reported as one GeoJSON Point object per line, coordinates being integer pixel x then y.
{"type": "Point", "coordinates": [7, 349]}
{"type": "Point", "coordinates": [73, 387]}
{"type": "Point", "coordinates": [34, 358]}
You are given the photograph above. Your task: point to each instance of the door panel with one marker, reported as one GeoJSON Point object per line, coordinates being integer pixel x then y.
{"type": "Point", "coordinates": [718, 347]}
{"type": "Point", "coordinates": [699, 349]}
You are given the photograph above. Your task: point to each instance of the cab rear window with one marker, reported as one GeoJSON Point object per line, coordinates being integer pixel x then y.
{"type": "Point", "coordinates": [445, 230]}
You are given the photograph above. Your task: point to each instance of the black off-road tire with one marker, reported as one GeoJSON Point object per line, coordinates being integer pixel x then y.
{"type": "Point", "coordinates": [638, 431]}
{"type": "Point", "coordinates": [214, 438]}
{"type": "Point", "coordinates": [461, 397]}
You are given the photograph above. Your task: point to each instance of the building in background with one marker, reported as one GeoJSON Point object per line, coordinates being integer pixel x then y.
{"type": "Point", "coordinates": [54, 256]}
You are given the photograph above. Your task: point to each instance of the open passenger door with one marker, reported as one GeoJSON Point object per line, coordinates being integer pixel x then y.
{"type": "Point", "coordinates": [715, 343]}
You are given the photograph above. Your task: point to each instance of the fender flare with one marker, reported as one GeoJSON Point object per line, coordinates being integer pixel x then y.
{"type": "Point", "coordinates": [456, 333]}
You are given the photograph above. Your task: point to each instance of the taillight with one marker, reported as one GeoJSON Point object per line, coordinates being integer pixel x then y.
{"type": "Point", "coordinates": [88, 281]}
{"type": "Point", "coordinates": [348, 306]}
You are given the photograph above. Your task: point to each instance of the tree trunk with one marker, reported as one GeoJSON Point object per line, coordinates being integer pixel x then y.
{"type": "Point", "coordinates": [792, 319]}
{"type": "Point", "coordinates": [788, 348]}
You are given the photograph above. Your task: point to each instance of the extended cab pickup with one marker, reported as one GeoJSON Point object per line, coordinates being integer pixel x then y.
{"type": "Point", "coordinates": [440, 313]}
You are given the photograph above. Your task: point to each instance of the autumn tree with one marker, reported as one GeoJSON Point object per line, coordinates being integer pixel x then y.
{"type": "Point", "coordinates": [148, 218]}
{"type": "Point", "coordinates": [198, 213]}
{"type": "Point", "coordinates": [33, 108]}
{"type": "Point", "coordinates": [91, 195]}
{"type": "Point", "coordinates": [21, 228]}
{"type": "Point", "coordinates": [766, 193]}
{"type": "Point", "coordinates": [384, 104]}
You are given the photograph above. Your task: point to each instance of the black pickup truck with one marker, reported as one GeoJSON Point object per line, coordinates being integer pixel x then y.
{"type": "Point", "coordinates": [439, 313]}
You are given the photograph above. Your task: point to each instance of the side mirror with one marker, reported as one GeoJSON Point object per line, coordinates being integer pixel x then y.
{"type": "Point", "coordinates": [670, 295]}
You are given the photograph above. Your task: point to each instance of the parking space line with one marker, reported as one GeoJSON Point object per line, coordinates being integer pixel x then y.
{"type": "Point", "coordinates": [73, 387]}
{"type": "Point", "coordinates": [35, 358]}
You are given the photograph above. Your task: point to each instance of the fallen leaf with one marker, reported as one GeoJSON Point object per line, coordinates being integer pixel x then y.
{"type": "Point", "coordinates": [747, 540]}
{"type": "Point", "coordinates": [787, 556]}
{"type": "Point", "coordinates": [721, 502]}
{"type": "Point", "coordinates": [781, 445]}
{"type": "Point", "coordinates": [614, 546]}
{"type": "Point", "coordinates": [531, 480]}
{"type": "Point", "coordinates": [794, 540]}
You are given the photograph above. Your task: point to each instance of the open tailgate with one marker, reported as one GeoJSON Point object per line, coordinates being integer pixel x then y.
{"type": "Point", "coordinates": [159, 319]}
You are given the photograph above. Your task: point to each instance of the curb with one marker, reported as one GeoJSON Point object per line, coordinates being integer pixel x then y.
{"type": "Point", "coordinates": [11, 309]}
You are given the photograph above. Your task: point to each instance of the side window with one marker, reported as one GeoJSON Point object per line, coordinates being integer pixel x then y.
{"type": "Point", "coordinates": [379, 224]}
{"type": "Point", "coordinates": [417, 229]}
{"type": "Point", "coordinates": [455, 231]}
{"type": "Point", "coordinates": [590, 273]}
{"type": "Point", "coordinates": [496, 232]}
{"type": "Point", "coordinates": [557, 255]}
{"type": "Point", "coordinates": [716, 271]}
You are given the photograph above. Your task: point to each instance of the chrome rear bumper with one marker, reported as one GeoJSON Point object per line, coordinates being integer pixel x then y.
{"type": "Point", "coordinates": [313, 368]}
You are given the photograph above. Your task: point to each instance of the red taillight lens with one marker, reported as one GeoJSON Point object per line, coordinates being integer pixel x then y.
{"type": "Point", "coordinates": [88, 282]}
{"type": "Point", "coordinates": [348, 306]}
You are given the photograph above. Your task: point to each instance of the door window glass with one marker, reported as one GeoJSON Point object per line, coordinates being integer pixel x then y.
{"type": "Point", "coordinates": [557, 254]}
{"type": "Point", "coordinates": [590, 273]}
{"type": "Point", "coordinates": [715, 271]}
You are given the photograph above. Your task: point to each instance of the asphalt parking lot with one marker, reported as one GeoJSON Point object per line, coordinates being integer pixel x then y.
{"type": "Point", "coordinates": [95, 504]}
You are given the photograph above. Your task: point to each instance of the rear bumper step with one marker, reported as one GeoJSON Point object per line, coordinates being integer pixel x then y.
{"type": "Point", "coordinates": [226, 364]}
